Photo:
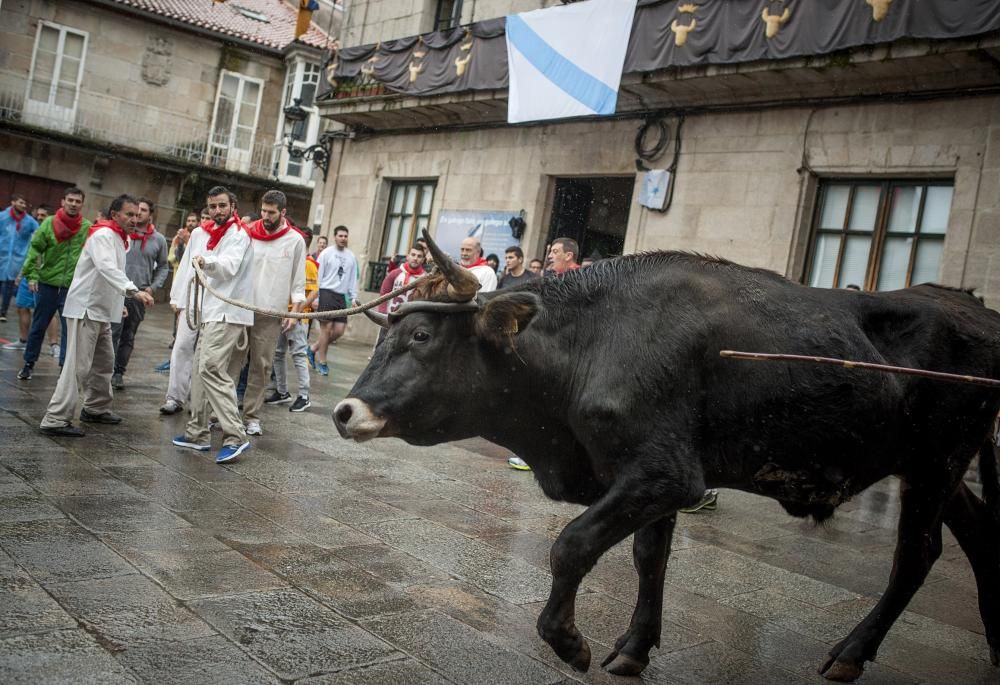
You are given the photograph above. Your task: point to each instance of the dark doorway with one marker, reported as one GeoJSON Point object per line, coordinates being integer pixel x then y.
{"type": "Point", "coordinates": [36, 190]}
{"type": "Point", "coordinates": [593, 211]}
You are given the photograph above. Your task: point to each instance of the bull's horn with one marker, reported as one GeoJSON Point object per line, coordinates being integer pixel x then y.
{"type": "Point", "coordinates": [462, 284]}
{"type": "Point", "coordinates": [378, 318]}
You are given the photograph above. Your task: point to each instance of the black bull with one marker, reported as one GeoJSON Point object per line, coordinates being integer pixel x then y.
{"type": "Point", "coordinates": [608, 382]}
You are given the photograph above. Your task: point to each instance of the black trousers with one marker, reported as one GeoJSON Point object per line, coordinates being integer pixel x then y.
{"type": "Point", "coordinates": [123, 334]}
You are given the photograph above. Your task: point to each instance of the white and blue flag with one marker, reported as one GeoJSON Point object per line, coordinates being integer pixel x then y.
{"type": "Point", "coordinates": [567, 61]}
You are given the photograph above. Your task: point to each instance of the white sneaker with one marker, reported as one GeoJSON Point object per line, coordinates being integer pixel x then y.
{"type": "Point", "coordinates": [54, 350]}
{"type": "Point", "coordinates": [253, 428]}
{"type": "Point", "coordinates": [19, 345]}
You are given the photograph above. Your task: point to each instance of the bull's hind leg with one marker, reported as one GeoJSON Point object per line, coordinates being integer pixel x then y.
{"type": "Point", "coordinates": [918, 546]}
{"type": "Point", "coordinates": [972, 525]}
{"type": "Point", "coordinates": [650, 551]}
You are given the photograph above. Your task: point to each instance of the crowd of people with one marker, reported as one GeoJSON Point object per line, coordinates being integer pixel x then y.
{"type": "Point", "coordinates": [100, 277]}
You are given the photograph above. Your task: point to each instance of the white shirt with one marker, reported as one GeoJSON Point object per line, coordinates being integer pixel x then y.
{"type": "Point", "coordinates": [487, 277]}
{"type": "Point", "coordinates": [182, 279]}
{"type": "Point", "coordinates": [99, 281]}
{"type": "Point", "coordinates": [338, 271]}
{"type": "Point", "coordinates": [279, 271]}
{"type": "Point", "coordinates": [229, 270]}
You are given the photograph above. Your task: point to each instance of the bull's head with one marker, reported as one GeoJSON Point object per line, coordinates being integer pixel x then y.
{"type": "Point", "coordinates": [438, 360]}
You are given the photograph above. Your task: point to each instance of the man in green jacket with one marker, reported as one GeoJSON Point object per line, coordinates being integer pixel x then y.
{"type": "Point", "coordinates": [48, 268]}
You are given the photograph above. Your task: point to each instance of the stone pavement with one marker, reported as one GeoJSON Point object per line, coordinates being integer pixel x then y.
{"type": "Point", "coordinates": [316, 560]}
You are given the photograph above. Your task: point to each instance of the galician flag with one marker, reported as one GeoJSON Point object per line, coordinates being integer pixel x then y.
{"type": "Point", "coordinates": [567, 61]}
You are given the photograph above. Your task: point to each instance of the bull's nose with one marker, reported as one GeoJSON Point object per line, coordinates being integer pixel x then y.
{"type": "Point", "coordinates": [355, 419]}
{"type": "Point", "coordinates": [342, 415]}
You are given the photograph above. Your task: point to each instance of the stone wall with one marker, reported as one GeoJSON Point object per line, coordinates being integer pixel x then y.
{"type": "Point", "coordinates": [742, 189]}
{"type": "Point", "coordinates": [369, 21]}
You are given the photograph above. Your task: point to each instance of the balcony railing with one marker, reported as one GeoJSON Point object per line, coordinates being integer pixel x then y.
{"type": "Point", "coordinates": [361, 86]}
{"type": "Point", "coordinates": [122, 123]}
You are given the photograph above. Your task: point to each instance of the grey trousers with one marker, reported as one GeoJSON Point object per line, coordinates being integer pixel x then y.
{"type": "Point", "coordinates": [90, 361]}
{"type": "Point", "coordinates": [263, 335]}
{"type": "Point", "coordinates": [296, 342]}
{"type": "Point", "coordinates": [217, 365]}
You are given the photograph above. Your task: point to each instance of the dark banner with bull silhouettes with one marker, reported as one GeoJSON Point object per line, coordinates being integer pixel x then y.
{"type": "Point", "coordinates": [664, 34]}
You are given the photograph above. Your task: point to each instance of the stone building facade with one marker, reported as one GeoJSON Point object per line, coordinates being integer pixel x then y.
{"type": "Point", "coordinates": [155, 99]}
{"type": "Point", "coordinates": [876, 166]}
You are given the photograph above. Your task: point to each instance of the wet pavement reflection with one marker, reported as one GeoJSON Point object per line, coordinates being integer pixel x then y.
{"type": "Point", "coordinates": [315, 560]}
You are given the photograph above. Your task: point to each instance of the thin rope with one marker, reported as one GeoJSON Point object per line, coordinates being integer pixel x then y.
{"type": "Point", "coordinates": [848, 364]}
{"type": "Point", "coordinates": [199, 280]}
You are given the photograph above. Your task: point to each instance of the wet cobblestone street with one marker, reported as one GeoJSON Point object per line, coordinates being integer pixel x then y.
{"type": "Point", "coordinates": [316, 560]}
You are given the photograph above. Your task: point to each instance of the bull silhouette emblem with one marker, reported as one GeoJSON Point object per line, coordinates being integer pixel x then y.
{"type": "Point", "coordinates": [879, 8]}
{"type": "Point", "coordinates": [774, 21]}
{"type": "Point", "coordinates": [416, 67]}
{"type": "Point", "coordinates": [681, 32]}
{"type": "Point", "coordinates": [462, 60]}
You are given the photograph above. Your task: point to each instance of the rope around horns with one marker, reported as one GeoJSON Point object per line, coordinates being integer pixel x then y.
{"type": "Point", "coordinates": [193, 312]}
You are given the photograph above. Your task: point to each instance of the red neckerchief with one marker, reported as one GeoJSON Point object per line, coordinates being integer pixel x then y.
{"type": "Point", "coordinates": [216, 233]}
{"type": "Point", "coordinates": [109, 223]}
{"type": "Point", "coordinates": [410, 273]}
{"type": "Point", "coordinates": [480, 262]}
{"type": "Point", "coordinates": [17, 219]}
{"type": "Point", "coordinates": [150, 229]}
{"type": "Point", "coordinates": [65, 226]}
{"type": "Point", "coordinates": [258, 232]}
{"type": "Point", "coordinates": [310, 258]}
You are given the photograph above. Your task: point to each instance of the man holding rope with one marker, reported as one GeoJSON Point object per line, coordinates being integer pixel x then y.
{"type": "Point", "coordinates": [223, 250]}
{"type": "Point", "coordinates": [279, 266]}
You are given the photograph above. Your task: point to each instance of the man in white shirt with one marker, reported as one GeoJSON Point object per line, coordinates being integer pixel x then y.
{"type": "Point", "coordinates": [471, 257]}
{"type": "Point", "coordinates": [94, 302]}
{"type": "Point", "coordinates": [338, 288]}
{"type": "Point", "coordinates": [223, 249]}
{"type": "Point", "coordinates": [279, 276]}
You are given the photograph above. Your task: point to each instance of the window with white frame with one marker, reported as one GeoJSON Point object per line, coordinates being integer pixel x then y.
{"type": "Point", "coordinates": [301, 82]}
{"type": "Point", "coordinates": [409, 213]}
{"type": "Point", "coordinates": [879, 234]}
{"type": "Point", "coordinates": [56, 73]}
{"type": "Point", "coordinates": [234, 122]}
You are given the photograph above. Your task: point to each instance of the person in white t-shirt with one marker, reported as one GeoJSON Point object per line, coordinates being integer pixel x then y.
{"type": "Point", "coordinates": [338, 289]}
{"type": "Point", "coordinates": [95, 300]}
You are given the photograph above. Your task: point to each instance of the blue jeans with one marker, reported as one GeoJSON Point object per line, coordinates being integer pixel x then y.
{"type": "Point", "coordinates": [48, 301]}
{"type": "Point", "coordinates": [7, 291]}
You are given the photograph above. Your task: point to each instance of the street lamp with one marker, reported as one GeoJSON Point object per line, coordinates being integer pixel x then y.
{"type": "Point", "coordinates": [295, 124]}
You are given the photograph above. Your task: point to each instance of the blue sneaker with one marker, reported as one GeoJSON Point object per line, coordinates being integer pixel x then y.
{"type": "Point", "coordinates": [324, 370]}
{"type": "Point", "coordinates": [312, 357]}
{"type": "Point", "coordinates": [230, 452]}
{"type": "Point", "coordinates": [182, 441]}
{"type": "Point", "coordinates": [165, 366]}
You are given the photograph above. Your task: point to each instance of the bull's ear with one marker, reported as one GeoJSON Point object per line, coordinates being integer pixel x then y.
{"type": "Point", "coordinates": [504, 316]}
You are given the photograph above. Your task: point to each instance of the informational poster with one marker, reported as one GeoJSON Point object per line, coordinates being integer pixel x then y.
{"type": "Point", "coordinates": [490, 227]}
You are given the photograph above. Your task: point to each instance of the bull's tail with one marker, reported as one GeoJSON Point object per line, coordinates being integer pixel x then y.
{"type": "Point", "coordinates": [988, 454]}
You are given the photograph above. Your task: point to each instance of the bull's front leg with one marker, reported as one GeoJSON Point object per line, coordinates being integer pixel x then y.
{"type": "Point", "coordinates": [650, 551]}
{"type": "Point", "coordinates": [630, 505]}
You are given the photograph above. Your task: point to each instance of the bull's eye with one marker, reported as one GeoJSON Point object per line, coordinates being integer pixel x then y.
{"type": "Point", "coordinates": [421, 336]}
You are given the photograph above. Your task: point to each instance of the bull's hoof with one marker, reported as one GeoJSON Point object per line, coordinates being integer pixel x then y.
{"type": "Point", "coordinates": [581, 660]}
{"type": "Point", "coordinates": [841, 671]}
{"type": "Point", "coordinates": [623, 664]}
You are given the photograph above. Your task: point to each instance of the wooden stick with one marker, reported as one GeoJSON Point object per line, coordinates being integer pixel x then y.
{"type": "Point", "coordinates": [848, 364]}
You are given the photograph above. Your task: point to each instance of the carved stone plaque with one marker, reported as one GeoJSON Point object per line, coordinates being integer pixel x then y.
{"type": "Point", "coordinates": [157, 60]}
